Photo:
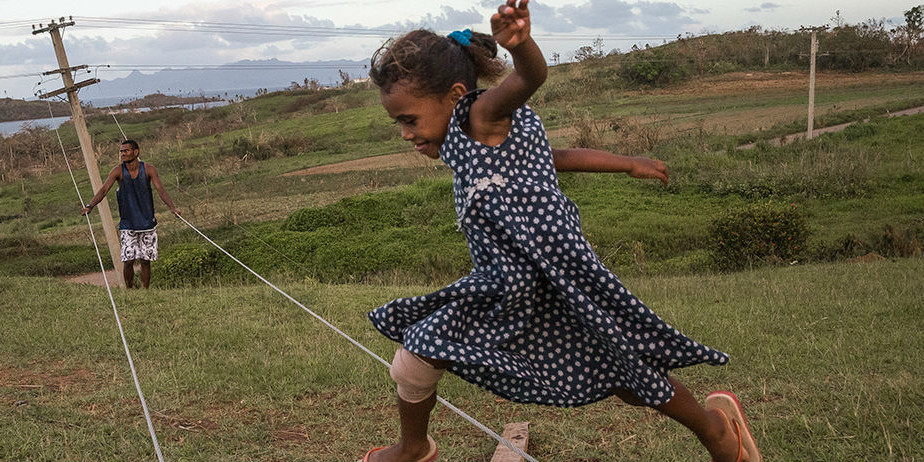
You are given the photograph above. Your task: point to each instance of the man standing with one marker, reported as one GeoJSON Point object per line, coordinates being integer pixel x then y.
{"type": "Point", "coordinates": [137, 224]}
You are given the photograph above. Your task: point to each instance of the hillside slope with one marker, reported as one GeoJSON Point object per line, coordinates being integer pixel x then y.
{"type": "Point", "coordinates": [17, 109]}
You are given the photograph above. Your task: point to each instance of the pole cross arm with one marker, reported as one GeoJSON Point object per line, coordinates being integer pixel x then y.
{"type": "Point", "coordinates": [75, 87]}
{"type": "Point", "coordinates": [68, 69]}
{"type": "Point", "coordinates": [52, 27]}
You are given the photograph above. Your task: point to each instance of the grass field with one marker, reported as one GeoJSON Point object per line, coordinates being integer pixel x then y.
{"type": "Point", "coordinates": [826, 358]}
{"type": "Point", "coordinates": [826, 354]}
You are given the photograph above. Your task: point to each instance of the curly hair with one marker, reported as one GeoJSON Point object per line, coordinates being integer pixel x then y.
{"type": "Point", "coordinates": [433, 63]}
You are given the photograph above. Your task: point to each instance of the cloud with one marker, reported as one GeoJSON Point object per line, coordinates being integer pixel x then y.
{"type": "Point", "coordinates": [614, 16]}
{"type": "Point", "coordinates": [764, 7]}
{"type": "Point", "coordinates": [30, 52]}
{"type": "Point", "coordinates": [237, 17]}
{"type": "Point", "coordinates": [448, 19]}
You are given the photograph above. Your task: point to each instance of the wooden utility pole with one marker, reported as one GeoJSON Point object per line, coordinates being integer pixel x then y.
{"type": "Point", "coordinates": [86, 144]}
{"type": "Point", "coordinates": [811, 104]}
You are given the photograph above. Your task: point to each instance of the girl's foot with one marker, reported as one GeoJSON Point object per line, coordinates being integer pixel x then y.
{"type": "Point", "coordinates": [734, 434]}
{"type": "Point", "coordinates": [723, 444]}
{"type": "Point", "coordinates": [403, 452]}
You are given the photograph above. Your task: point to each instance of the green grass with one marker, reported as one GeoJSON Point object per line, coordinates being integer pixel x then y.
{"type": "Point", "coordinates": [239, 372]}
{"type": "Point", "coordinates": [850, 186]}
{"type": "Point", "coordinates": [826, 356]}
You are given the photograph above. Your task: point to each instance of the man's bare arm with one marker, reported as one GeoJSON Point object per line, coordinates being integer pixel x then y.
{"type": "Point", "coordinates": [155, 180]}
{"type": "Point", "coordinates": [114, 175]}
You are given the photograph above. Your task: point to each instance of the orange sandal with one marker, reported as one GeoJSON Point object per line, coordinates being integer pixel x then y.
{"type": "Point", "coordinates": [727, 403]}
{"type": "Point", "coordinates": [430, 457]}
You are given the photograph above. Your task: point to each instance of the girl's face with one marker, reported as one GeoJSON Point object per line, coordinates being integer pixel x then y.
{"type": "Point", "coordinates": [424, 120]}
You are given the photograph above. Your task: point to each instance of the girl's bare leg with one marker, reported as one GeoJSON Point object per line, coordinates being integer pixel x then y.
{"type": "Point", "coordinates": [711, 427]}
{"type": "Point", "coordinates": [415, 418]}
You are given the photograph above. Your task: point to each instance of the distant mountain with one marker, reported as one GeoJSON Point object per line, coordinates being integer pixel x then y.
{"type": "Point", "coordinates": [247, 74]}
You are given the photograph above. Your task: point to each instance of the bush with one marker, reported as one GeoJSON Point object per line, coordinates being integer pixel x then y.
{"type": "Point", "coordinates": [188, 264]}
{"type": "Point", "coordinates": [848, 246]}
{"type": "Point", "coordinates": [358, 212]}
{"type": "Point", "coordinates": [19, 245]}
{"type": "Point", "coordinates": [757, 234]}
{"type": "Point", "coordinates": [893, 242]}
{"type": "Point", "coordinates": [652, 67]}
{"type": "Point", "coordinates": [262, 149]}
{"type": "Point", "coordinates": [245, 148]}
{"type": "Point", "coordinates": [889, 241]}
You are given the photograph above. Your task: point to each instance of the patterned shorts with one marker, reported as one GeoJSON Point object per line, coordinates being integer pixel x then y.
{"type": "Point", "coordinates": [138, 245]}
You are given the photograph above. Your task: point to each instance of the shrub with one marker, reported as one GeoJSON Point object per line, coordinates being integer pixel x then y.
{"type": "Point", "coordinates": [188, 265]}
{"type": "Point", "coordinates": [358, 212]}
{"type": "Point", "coordinates": [890, 241]}
{"type": "Point", "coordinates": [898, 242]}
{"type": "Point", "coordinates": [262, 149]}
{"type": "Point", "coordinates": [18, 245]}
{"type": "Point", "coordinates": [245, 148]}
{"type": "Point", "coordinates": [848, 246]}
{"type": "Point", "coordinates": [756, 234]}
{"type": "Point", "coordinates": [652, 67]}
{"type": "Point", "coordinates": [589, 132]}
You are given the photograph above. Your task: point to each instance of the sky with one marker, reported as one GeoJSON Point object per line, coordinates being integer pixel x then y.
{"type": "Point", "coordinates": [158, 31]}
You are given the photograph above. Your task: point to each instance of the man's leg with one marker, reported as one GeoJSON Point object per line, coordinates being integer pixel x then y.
{"type": "Point", "coordinates": [128, 271]}
{"type": "Point", "coordinates": [145, 273]}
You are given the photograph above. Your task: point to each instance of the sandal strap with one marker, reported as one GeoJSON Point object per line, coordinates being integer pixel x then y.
{"type": "Point", "coordinates": [366, 457]}
{"type": "Point", "coordinates": [737, 427]}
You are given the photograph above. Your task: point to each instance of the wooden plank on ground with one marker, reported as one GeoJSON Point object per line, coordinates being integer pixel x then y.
{"type": "Point", "coordinates": [518, 434]}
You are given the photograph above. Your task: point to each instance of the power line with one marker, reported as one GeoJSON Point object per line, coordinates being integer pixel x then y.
{"type": "Point", "coordinates": [232, 66]}
{"type": "Point", "coordinates": [301, 30]}
{"type": "Point", "coordinates": [235, 25]}
{"type": "Point", "coordinates": [16, 76]}
{"type": "Point", "coordinates": [128, 354]}
{"type": "Point", "coordinates": [21, 23]}
{"type": "Point", "coordinates": [362, 347]}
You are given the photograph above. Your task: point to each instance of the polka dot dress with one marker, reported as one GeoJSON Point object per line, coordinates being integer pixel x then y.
{"type": "Point", "coordinates": [539, 319]}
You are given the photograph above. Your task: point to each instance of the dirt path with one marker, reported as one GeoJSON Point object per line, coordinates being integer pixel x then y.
{"type": "Point", "coordinates": [782, 141]}
{"type": "Point", "coordinates": [744, 82]}
{"type": "Point", "coordinates": [95, 278]}
{"type": "Point", "coordinates": [371, 163]}
{"type": "Point", "coordinates": [413, 160]}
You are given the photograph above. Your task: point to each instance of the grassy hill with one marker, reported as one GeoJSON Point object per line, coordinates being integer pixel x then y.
{"type": "Point", "coordinates": [16, 109]}
{"type": "Point", "coordinates": [231, 371]}
{"type": "Point", "coordinates": [857, 190]}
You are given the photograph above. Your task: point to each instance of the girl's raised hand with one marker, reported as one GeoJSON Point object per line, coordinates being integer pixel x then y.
{"type": "Point", "coordinates": [510, 25]}
{"type": "Point", "coordinates": [643, 167]}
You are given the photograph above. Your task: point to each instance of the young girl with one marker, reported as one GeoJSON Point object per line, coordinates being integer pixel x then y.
{"type": "Point", "coordinates": [539, 319]}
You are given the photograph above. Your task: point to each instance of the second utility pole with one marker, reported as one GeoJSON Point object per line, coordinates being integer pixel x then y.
{"type": "Point", "coordinates": [811, 105]}
{"type": "Point", "coordinates": [86, 144]}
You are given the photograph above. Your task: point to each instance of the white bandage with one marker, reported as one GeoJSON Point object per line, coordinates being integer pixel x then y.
{"type": "Point", "coordinates": [415, 377]}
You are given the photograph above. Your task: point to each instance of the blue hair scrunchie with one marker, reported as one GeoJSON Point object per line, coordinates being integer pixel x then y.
{"type": "Point", "coordinates": [464, 37]}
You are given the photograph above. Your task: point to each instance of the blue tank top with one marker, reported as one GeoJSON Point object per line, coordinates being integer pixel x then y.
{"type": "Point", "coordinates": [136, 204]}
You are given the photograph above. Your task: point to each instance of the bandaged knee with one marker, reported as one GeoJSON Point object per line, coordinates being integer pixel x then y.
{"type": "Point", "coordinates": [415, 377]}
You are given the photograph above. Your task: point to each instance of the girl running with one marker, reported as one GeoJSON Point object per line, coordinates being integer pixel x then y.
{"type": "Point", "coordinates": [539, 319]}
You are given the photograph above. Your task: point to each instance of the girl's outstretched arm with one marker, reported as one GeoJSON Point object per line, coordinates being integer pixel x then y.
{"type": "Point", "coordinates": [592, 160]}
{"type": "Point", "coordinates": [511, 29]}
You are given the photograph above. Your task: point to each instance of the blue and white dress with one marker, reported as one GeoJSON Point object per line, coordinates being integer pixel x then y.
{"type": "Point", "coordinates": [539, 319]}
